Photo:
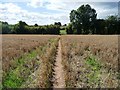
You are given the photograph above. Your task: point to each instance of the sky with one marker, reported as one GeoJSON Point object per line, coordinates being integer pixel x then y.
{"type": "Point", "coordinates": [45, 12]}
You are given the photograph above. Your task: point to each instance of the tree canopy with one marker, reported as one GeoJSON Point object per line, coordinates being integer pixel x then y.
{"type": "Point", "coordinates": [82, 21]}
{"type": "Point", "coordinates": [83, 18]}
{"type": "Point", "coordinates": [23, 28]}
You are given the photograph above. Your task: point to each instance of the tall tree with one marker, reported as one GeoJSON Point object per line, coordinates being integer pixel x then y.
{"type": "Point", "coordinates": [83, 18]}
{"type": "Point", "coordinates": [100, 26]}
{"type": "Point", "coordinates": [112, 24]}
{"type": "Point", "coordinates": [36, 25]}
{"type": "Point", "coordinates": [5, 28]}
{"type": "Point", "coordinates": [58, 23]}
{"type": "Point", "coordinates": [69, 29]}
{"type": "Point", "coordinates": [20, 28]}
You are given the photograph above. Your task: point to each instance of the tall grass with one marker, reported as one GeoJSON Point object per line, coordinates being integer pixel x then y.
{"type": "Point", "coordinates": [89, 65]}
{"type": "Point", "coordinates": [42, 59]}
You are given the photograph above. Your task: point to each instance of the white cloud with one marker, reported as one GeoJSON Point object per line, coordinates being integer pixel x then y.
{"type": "Point", "coordinates": [36, 3]}
{"type": "Point", "coordinates": [103, 11]}
{"type": "Point", "coordinates": [61, 4]}
{"type": "Point", "coordinates": [62, 0]}
{"type": "Point", "coordinates": [64, 6]}
{"type": "Point", "coordinates": [13, 13]}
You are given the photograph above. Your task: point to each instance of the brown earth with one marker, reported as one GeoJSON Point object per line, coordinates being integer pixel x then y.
{"type": "Point", "coordinates": [74, 48]}
{"type": "Point", "coordinates": [59, 73]}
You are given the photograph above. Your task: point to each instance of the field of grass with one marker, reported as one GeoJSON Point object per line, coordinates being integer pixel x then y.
{"type": "Point", "coordinates": [63, 32]}
{"type": "Point", "coordinates": [89, 61]}
{"type": "Point", "coordinates": [22, 57]}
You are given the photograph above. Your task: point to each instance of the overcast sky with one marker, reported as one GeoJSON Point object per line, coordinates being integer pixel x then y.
{"type": "Point", "coordinates": [49, 11]}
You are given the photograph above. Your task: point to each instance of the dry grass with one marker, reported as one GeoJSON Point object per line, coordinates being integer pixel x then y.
{"type": "Point", "coordinates": [42, 77]}
{"type": "Point", "coordinates": [90, 61]}
{"type": "Point", "coordinates": [15, 46]}
{"type": "Point", "coordinates": [24, 55]}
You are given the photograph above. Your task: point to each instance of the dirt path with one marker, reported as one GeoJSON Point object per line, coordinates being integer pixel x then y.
{"type": "Point", "coordinates": [59, 73]}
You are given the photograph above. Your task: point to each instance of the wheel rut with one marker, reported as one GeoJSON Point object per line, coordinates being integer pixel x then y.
{"type": "Point", "coordinates": [59, 81]}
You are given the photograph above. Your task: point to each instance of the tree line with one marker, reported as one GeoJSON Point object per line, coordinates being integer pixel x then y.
{"type": "Point", "coordinates": [23, 28]}
{"type": "Point", "coordinates": [82, 21]}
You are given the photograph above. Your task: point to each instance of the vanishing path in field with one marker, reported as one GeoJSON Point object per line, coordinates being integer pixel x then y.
{"type": "Point", "coordinates": [59, 73]}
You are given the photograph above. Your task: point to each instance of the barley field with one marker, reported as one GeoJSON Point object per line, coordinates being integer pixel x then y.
{"type": "Point", "coordinates": [90, 61]}
{"type": "Point", "coordinates": [84, 61]}
{"type": "Point", "coordinates": [27, 60]}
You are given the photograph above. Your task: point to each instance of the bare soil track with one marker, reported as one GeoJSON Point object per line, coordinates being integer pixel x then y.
{"type": "Point", "coordinates": [59, 73]}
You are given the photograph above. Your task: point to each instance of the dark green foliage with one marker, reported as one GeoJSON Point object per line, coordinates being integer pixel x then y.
{"type": "Point", "coordinates": [100, 26]}
{"type": "Point", "coordinates": [69, 29]}
{"type": "Point", "coordinates": [36, 25]}
{"type": "Point", "coordinates": [52, 29]}
{"type": "Point", "coordinates": [5, 28]}
{"type": "Point", "coordinates": [83, 21]}
{"type": "Point", "coordinates": [20, 28]}
{"type": "Point", "coordinates": [112, 24]}
{"type": "Point", "coordinates": [58, 23]}
{"type": "Point", "coordinates": [23, 28]}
